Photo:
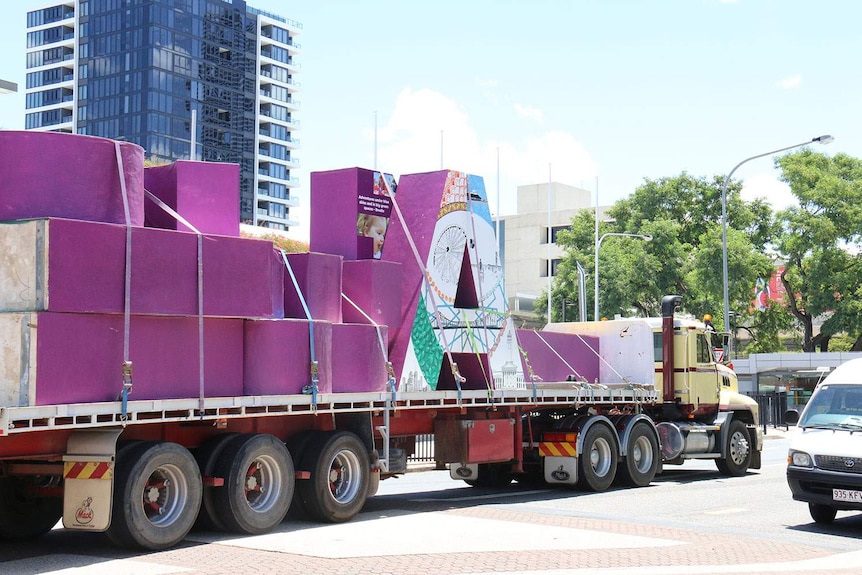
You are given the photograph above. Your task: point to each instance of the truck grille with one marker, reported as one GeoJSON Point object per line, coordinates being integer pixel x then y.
{"type": "Point", "coordinates": [837, 463]}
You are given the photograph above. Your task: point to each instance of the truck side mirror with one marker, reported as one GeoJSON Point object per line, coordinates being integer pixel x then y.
{"type": "Point", "coordinates": [791, 416]}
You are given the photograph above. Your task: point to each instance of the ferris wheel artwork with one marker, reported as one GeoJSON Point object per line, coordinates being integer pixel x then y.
{"type": "Point", "coordinates": [462, 313]}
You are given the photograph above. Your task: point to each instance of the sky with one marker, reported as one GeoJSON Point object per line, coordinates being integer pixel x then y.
{"type": "Point", "coordinates": [597, 94]}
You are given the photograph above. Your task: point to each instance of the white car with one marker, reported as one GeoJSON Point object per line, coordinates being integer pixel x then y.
{"type": "Point", "coordinates": [824, 464]}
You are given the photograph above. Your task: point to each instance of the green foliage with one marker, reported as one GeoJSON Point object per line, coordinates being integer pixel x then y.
{"type": "Point", "coordinates": [816, 241]}
{"type": "Point", "coordinates": [823, 273]}
{"type": "Point", "coordinates": [683, 216]}
{"type": "Point", "coordinates": [767, 327]}
{"type": "Point", "coordinates": [289, 245]}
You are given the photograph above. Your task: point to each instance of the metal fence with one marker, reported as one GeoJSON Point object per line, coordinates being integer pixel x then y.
{"type": "Point", "coordinates": [772, 408]}
{"type": "Point", "coordinates": [424, 449]}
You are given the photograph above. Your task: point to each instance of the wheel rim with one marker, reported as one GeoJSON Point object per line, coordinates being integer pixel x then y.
{"type": "Point", "coordinates": [344, 476]}
{"type": "Point", "coordinates": [600, 457]}
{"type": "Point", "coordinates": [642, 454]}
{"type": "Point", "coordinates": [164, 495]}
{"type": "Point", "coordinates": [263, 483]}
{"type": "Point", "coordinates": [738, 451]}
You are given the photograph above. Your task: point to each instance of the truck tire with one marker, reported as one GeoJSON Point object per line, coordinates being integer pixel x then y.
{"type": "Point", "coordinates": [597, 463]}
{"type": "Point", "coordinates": [737, 450]}
{"type": "Point", "coordinates": [157, 496]}
{"type": "Point", "coordinates": [258, 484]}
{"type": "Point", "coordinates": [642, 457]}
{"type": "Point", "coordinates": [24, 516]}
{"type": "Point", "coordinates": [822, 513]}
{"type": "Point", "coordinates": [338, 486]}
{"type": "Point", "coordinates": [207, 456]}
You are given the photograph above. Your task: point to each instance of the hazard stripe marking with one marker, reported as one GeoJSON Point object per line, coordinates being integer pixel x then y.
{"type": "Point", "coordinates": [88, 470]}
{"type": "Point", "coordinates": [557, 449]}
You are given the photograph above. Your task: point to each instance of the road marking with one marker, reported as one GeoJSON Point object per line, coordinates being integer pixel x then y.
{"type": "Point", "coordinates": [86, 565]}
{"type": "Point", "coordinates": [726, 511]}
{"type": "Point", "coordinates": [477, 497]}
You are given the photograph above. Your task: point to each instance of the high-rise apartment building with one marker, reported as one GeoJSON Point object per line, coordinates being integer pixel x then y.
{"type": "Point", "coordinates": [172, 75]}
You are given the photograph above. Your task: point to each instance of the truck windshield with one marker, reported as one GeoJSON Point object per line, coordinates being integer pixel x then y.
{"type": "Point", "coordinates": [834, 406]}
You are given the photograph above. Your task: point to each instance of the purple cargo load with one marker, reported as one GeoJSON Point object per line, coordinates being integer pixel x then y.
{"type": "Point", "coordinates": [333, 211]}
{"type": "Point", "coordinates": [78, 357]}
{"type": "Point", "coordinates": [319, 279]}
{"type": "Point", "coordinates": [78, 266]}
{"type": "Point", "coordinates": [374, 286]}
{"type": "Point", "coordinates": [278, 357]}
{"type": "Point", "coordinates": [50, 174]}
{"type": "Point", "coordinates": [358, 361]}
{"type": "Point", "coordinates": [205, 194]}
{"type": "Point", "coordinates": [575, 350]}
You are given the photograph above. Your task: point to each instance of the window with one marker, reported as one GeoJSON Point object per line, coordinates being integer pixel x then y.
{"type": "Point", "coordinates": [704, 350]}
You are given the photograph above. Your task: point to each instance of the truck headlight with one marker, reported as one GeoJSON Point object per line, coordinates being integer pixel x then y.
{"type": "Point", "coordinates": [799, 459]}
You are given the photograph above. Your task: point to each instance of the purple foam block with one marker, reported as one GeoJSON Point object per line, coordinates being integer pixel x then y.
{"type": "Point", "coordinates": [240, 279]}
{"type": "Point", "coordinates": [319, 279]}
{"type": "Point", "coordinates": [79, 357]}
{"type": "Point", "coordinates": [333, 211]}
{"type": "Point", "coordinates": [278, 357]}
{"type": "Point", "coordinates": [374, 286]}
{"type": "Point", "coordinates": [84, 271]}
{"type": "Point", "coordinates": [358, 362]}
{"type": "Point", "coordinates": [350, 212]}
{"type": "Point", "coordinates": [206, 194]}
{"type": "Point", "coordinates": [548, 365]}
{"type": "Point", "coordinates": [50, 174]}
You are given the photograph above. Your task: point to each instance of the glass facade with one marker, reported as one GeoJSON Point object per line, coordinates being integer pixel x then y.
{"type": "Point", "coordinates": [147, 71]}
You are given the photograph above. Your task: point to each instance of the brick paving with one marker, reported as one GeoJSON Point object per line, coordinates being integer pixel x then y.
{"type": "Point", "coordinates": [695, 548]}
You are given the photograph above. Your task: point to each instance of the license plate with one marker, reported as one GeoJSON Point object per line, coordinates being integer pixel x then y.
{"type": "Point", "coordinates": [847, 495]}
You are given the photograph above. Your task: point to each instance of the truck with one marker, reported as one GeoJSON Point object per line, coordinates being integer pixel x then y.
{"type": "Point", "coordinates": [161, 375]}
{"type": "Point", "coordinates": [825, 456]}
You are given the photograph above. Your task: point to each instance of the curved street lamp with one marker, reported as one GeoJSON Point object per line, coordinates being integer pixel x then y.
{"type": "Point", "coordinates": [645, 237]}
{"type": "Point", "coordinates": [825, 139]}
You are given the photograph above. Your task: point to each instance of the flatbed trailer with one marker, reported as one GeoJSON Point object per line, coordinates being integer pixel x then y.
{"type": "Point", "coordinates": [303, 407]}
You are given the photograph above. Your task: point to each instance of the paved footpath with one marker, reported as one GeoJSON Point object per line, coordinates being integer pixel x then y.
{"type": "Point", "coordinates": [485, 539]}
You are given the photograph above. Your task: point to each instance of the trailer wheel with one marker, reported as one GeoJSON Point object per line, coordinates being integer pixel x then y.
{"type": "Point", "coordinates": [597, 464]}
{"type": "Point", "coordinates": [259, 482]}
{"type": "Point", "coordinates": [642, 459]}
{"type": "Point", "coordinates": [338, 486]}
{"type": "Point", "coordinates": [822, 513]}
{"type": "Point", "coordinates": [157, 496]}
{"type": "Point", "coordinates": [207, 456]}
{"type": "Point", "coordinates": [492, 475]}
{"type": "Point", "coordinates": [23, 514]}
{"type": "Point", "coordinates": [737, 450]}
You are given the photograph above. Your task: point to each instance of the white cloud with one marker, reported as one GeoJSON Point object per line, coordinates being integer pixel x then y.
{"type": "Point", "coordinates": [410, 142]}
{"type": "Point", "coordinates": [791, 82]}
{"type": "Point", "coordinates": [767, 187]}
{"type": "Point", "coordinates": [529, 112]}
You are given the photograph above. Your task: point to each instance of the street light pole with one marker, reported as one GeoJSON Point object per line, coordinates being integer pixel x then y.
{"type": "Point", "coordinates": [821, 139]}
{"type": "Point", "coordinates": [645, 237]}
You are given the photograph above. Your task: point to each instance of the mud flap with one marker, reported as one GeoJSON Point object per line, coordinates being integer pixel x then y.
{"type": "Point", "coordinates": [464, 471]}
{"type": "Point", "coordinates": [561, 470]}
{"type": "Point", "coordinates": [88, 477]}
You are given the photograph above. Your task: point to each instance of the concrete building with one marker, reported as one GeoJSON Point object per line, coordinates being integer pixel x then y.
{"type": "Point", "coordinates": [524, 240]}
{"type": "Point", "coordinates": [210, 80]}
{"type": "Point", "coordinates": [7, 87]}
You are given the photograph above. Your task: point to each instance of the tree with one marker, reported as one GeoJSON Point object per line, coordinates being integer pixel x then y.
{"type": "Point", "coordinates": [683, 216]}
{"type": "Point", "coordinates": [818, 240]}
